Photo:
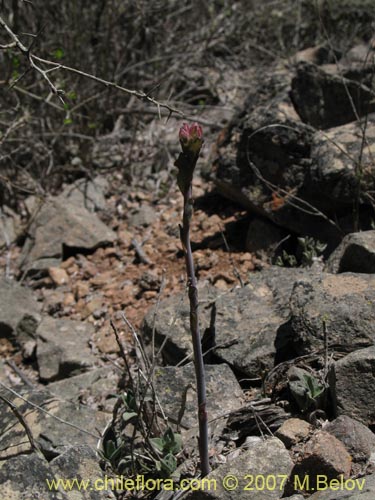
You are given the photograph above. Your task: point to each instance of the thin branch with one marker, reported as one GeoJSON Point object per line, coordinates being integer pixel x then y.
{"type": "Point", "coordinates": [34, 62]}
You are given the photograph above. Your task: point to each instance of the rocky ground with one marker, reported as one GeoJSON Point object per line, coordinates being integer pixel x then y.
{"type": "Point", "coordinates": [289, 349]}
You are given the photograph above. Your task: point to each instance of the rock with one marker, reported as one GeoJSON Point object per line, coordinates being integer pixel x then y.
{"type": "Point", "coordinates": [63, 348]}
{"type": "Point", "coordinates": [96, 385]}
{"type": "Point", "coordinates": [31, 477]}
{"type": "Point", "coordinates": [65, 424]}
{"type": "Point", "coordinates": [321, 99]}
{"type": "Point", "coordinates": [322, 455]}
{"type": "Point", "coordinates": [172, 324]}
{"type": "Point", "coordinates": [338, 300]}
{"type": "Point", "coordinates": [245, 324]}
{"type": "Point", "coordinates": [293, 431]}
{"type": "Point", "coordinates": [224, 393]}
{"type": "Point", "coordinates": [60, 226]}
{"type": "Point", "coordinates": [144, 216]}
{"type": "Point", "coordinates": [355, 379]}
{"type": "Point", "coordinates": [19, 312]}
{"type": "Point", "coordinates": [9, 226]}
{"type": "Point", "coordinates": [358, 440]}
{"type": "Point", "coordinates": [266, 459]}
{"type": "Point", "coordinates": [81, 462]}
{"type": "Point", "coordinates": [333, 173]}
{"type": "Point", "coordinates": [356, 254]}
{"type": "Point", "coordinates": [86, 193]}
{"type": "Point", "coordinates": [249, 321]}
{"type": "Point", "coordinates": [362, 488]}
{"type": "Point", "coordinates": [58, 276]}
{"type": "Point", "coordinates": [26, 477]}
{"type": "Point", "coordinates": [301, 179]}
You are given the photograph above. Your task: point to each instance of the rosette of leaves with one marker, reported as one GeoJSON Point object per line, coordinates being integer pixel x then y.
{"type": "Point", "coordinates": [167, 446]}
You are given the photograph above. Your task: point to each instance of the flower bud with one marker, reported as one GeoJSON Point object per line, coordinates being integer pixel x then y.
{"type": "Point", "coordinates": [191, 138]}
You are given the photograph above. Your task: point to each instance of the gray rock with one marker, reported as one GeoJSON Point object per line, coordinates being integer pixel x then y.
{"type": "Point", "coordinates": [343, 301]}
{"type": "Point", "coordinates": [81, 462]}
{"type": "Point", "coordinates": [355, 379]}
{"type": "Point", "coordinates": [87, 193]}
{"type": "Point", "coordinates": [333, 173]}
{"type": "Point", "coordinates": [25, 478]}
{"type": "Point", "coordinates": [246, 325]}
{"type": "Point", "coordinates": [9, 226]}
{"type": "Point", "coordinates": [62, 223]}
{"type": "Point", "coordinates": [268, 459]}
{"type": "Point", "coordinates": [358, 440]}
{"type": "Point", "coordinates": [19, 312]}
{"type": "Point", "coordinates": [362, 488]}
{"type": "Point", "coordinates": [224, 393]}
{"type": "Point", "coordinates": [31, 477]}
{"type": "Point", "coordinates": [249, 321]}
{"type": "Point", "coordinates": [325, 100]}
{"type": "Point", "coordinates": [356, 254]}
{"type": "Point", "coordinates": [55, 428]}
{"type": "Point", "coordinates": [301, 179]}
{"type": "Point", "coordinates": [172, 324]}
{"type": "Point", "coordinates": [63, 348]}
{"type": "Point", "coordinates": [95, 386]}
{"type": "Point", "coordinates": [142, 216]}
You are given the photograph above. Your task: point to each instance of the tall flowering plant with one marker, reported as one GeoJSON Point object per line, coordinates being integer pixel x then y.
{"type": "Point", "coordinates": [191, 140]}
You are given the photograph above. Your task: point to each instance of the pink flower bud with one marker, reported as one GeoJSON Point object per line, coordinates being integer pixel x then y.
{"type": "Point", "coordinates": [191, 137]}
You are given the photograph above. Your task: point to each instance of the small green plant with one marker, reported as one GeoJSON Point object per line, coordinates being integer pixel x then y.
{"type": "Point", "coordinates": [308, 392]}
{"type": "Point", "coordinates": [308, 250]}
{"type": "Point", "coordinates": [167, 446]}
{"type": "Point", "coordinates": [137, 450]}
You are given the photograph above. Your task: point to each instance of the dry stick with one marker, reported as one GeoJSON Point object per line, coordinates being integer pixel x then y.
{"type": "Point", "coordinates": [33, 60]}
{"type": "Point", "coordinates": [186, 163]}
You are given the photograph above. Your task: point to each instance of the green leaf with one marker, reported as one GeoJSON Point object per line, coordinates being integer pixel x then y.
{"type": "Point", "coordinates": [128, 415]}
{"type": "Point", "coordinates": [58, 54]}
{"type": "Point", "coordinates": [172, 441]}
{"type": "Point", "coordinates": [168, 464]}
{"type": "Point", "coordinates": [158, 443]}
{"type": "Point", "coordinates": [68, 121]}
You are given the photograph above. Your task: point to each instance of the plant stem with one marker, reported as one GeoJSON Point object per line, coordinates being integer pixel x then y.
{"type": "Point", "coordinates": [194, 328]}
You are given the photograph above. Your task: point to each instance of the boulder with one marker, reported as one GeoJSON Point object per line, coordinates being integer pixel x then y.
{"type": "Point", "coordinates": [55, 428]}
{"type": "Point", "coordinates": [358, 440]}
{"type": "Point", "coordinates": [323, 455]}
{"type": "Point", "coordinates": [277, 164]}
{"type": "Point", "coordinates": [355, 379]}
{"type": "Point", "coordinates": [19, 312]}
{"type": "Point", "coordinates": [265, 464]}
{"type": "Point", "coordinates": [32, 477]}
{"type": "Point", "coordinates": [174, 385]}
{"type": "Point", "coordinates": [343, 301]}
{"type": "Point", "coordinates": [169, 323]}
{"type": "Point", "coordinates": [26, 477]}
{"type": "Point", "coordinates": [325, 100]}
{"type": "Point", "coordinates": [362, 488]}
{"type": "Point", "coordinates": [356, 254]}
{"type": "Point", "coordinates": [243, 327]}
{"type": "Point", "coordinates": [63, 348]}
{"type": "Point", "coordinates": [293, 431]}
{"type": "Point", "coordinates": [63, 224]}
